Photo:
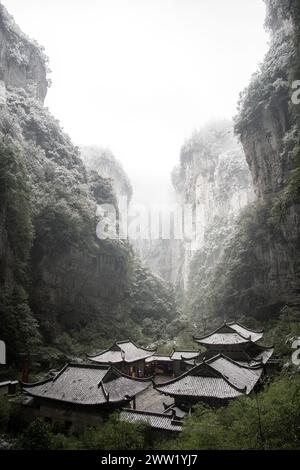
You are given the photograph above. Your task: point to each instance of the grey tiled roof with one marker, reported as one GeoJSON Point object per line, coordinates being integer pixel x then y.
{"type": "Point", "coordinates": [122, 351]}
{"type": "Point", "coordinates": [179, 355]}
{"type": "Point", "coordinates": [125, 387]}
{"type": "Point", "coordinates": [152, 400]}
{"type": "Point", "coordinates": [155, 420]}
{"type": "Point", "coordinates": [244, 331]}
{"type": "Point", "coordinates": [230, 333]}
{"type": "Point", "coordinates": [239, 375]}
{"type": "Point", "coordinates": [202, 381]}
{"type": "Point", "coordinates": [157, 357]}
{"type": "Point", "coordinates": [222, 338]}
{"type": "Point", "coordinates": [195, 386]}
{"type": "Point", "coordinates": [87, 384]}
{"type": "Point", "coordinates": [175, 356]}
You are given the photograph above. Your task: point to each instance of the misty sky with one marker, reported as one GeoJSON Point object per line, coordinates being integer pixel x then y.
{"type": "Point", "coordinates": [138, 76]}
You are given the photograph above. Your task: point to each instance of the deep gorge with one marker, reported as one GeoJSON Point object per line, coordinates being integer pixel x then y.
{"type": "Point", "coordinates": [75, 290]}
{"type": "Point", "coordinates": [162, 344]}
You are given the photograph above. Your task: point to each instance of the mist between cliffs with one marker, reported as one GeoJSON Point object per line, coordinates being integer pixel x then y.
{"type": "Point", "coordinates": [151, 222]}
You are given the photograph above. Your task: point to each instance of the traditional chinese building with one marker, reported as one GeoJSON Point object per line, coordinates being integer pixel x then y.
{"type": "Point", "coordinates": [237, 342]}
{"type": "Point", "coordinates": [180, 359]}
{"type": "Point", "coordinates": [82, 395]}
{"type": "Point", "coordinates": [239, 374]}
{"type": "Point", "coordinates": [172, 365]}
{"type": "Point", "coordinates": [159, 365]}
{"type": "Point", "coordinates": [125, 356]}
{"type": "Point", "coordinates": [214, 382]}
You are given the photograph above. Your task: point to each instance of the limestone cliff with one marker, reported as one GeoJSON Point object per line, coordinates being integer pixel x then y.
{"type": "Point", "coordinates": [269, 127]}
{"type": "Point", "coordinates": [214, 179]}
{"type": "Point", "coordinates": [62, 290]}
{"type": "Point", "coordinates": [258, 271]}
{"type": "Point", "coordinates": [23, 63]}
{"type": "Point", "coordinates": [166, 259]}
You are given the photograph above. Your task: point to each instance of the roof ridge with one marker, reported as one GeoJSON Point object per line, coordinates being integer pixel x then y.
{"type": "Point", "coordinates": [136, 345]}
{"type": "Point", "coordinates": [185, 350]}
{"type": "Point", "coordinates": [86, 365]}
{"type": "Point", "coordinates": [61, 372]}
{"type": "Point", "coordinates": [92, 356]}
{"type": "Point", "coordinates": [119, 344]}
{"type": "Point", "coordinates": [156, 354]}
{"type": "Point", "coordinates": [245, 327]}
{"type": "Point", "coordinates": [229, 359]}
{"type": "Point", "coordinates": [105, 393]}
{"type": "Point", "coordinates": [123, 341]}
{"type": "Point", "coordinates": [264, 348]}
{"type": "Point", "coordinates": [148, 413]}
{"type": "Point", "coordinates": [66, 401]}
{"type": "Point", "coordinates": [143, 348]}
{"type": "Point", "coordinates": [34, 384]}
{"type": "Point", "coordinates": [197, 338]}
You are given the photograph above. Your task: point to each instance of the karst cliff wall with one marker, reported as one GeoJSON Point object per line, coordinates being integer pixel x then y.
{"type": "Point", "coordinates": [258, 271]}
{"type": "Point", "coordinates": [62, 290]}
{"type": "Point", "coordinates": [214, 179]}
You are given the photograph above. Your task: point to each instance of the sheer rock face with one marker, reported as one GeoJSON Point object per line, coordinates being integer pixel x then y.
{"type": "Point", "coordinates": [214, 180]}
{"type": "Point", "coordinates": [166, 259]}
{"type": "Point", "coordinates": [266, 113]}
{"type": "Point", "coordinates": [262, 143]}
{"type": "Point", "coordinates": [268, 125]}
{"type": "Point", "coordinates": [75, 280]}
{"type": "Point", "coordinates": [253, 267]}
{"type": "Point", "coordinates": [22, 61]}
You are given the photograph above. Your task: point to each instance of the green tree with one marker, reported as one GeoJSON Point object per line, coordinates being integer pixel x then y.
{"type": "Point", "coordinates": [115, 435]}
{"type": "Point", "coordinates": [36, 437]}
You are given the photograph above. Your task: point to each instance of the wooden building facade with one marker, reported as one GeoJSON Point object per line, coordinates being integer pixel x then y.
{"type": "Point", "coordinates": [125, 356]}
